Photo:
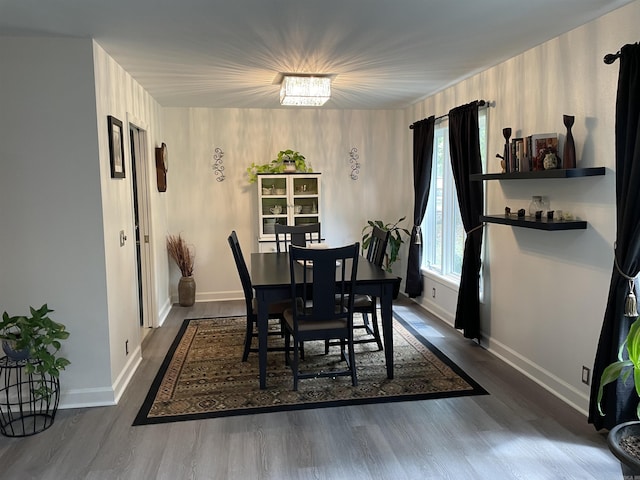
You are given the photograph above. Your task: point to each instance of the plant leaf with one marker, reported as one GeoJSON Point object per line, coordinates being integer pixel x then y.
{"type": "Point", "coordinates": [610, 374]}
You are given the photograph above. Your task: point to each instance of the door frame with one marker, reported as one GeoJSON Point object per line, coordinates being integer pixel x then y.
{"type": "Point", "coordinates": [147, 266]}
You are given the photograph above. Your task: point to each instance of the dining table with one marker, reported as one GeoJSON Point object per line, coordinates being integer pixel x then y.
{"type": "Point", "coordinates": [271, 279]}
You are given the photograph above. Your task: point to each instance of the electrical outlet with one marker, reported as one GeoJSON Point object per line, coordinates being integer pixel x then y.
{"type": "Point", "coordinates": [586, 375]}
{"type": "Point", "coordinates": [126, 347]}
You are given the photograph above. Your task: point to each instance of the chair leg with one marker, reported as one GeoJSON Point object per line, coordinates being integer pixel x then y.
{"type": "Point", "coordinates": [376, 329]}
{"type": "Point", "coordinates": [247, 339]}
{"type": "Point", "coordinates": [352, 363]}
{"type": "Point", "coordinates": [287, 347]}
{"type": "Point", "coordinates": [295, 367]}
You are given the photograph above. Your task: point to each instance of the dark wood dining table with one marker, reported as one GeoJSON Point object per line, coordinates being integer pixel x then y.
{"type": "Point", "coordinates": [271, 281]}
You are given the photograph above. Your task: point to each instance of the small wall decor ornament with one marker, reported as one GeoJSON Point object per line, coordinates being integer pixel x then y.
{"type": "Point", "coordinates": [355, 165]}
{"type": "Point", "coordinates": [218, 167]}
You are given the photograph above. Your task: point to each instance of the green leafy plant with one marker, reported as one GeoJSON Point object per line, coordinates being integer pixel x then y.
{"type": "Point", "coordinates": [42, 337]}
{"type": "Point", "coordinates": [395, 238]}
{"type": "Point", "coordinates": [279, 164]}
{"type": "Point", "coordinates": [624, 367]}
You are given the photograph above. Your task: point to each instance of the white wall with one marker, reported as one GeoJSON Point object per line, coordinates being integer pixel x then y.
{"type": "Point", "coordinates": [117, 94]}
{"type": "Point", "coordinates": [546, 292]}
{"type": "Point", "coordinates": [51, 239]}
{"type": "Point", "coordinates": [205, 210]}
{"type": "Point", "coordinates": [61, 212]}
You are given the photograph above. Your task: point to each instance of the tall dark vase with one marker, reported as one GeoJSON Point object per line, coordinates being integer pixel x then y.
{"type": "Point", "coordinates": [569, 154]}
{"type": "Point", "coordinates": [506, 132]}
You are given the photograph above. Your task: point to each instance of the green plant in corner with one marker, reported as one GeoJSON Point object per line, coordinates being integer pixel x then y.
{"type": "Point", "coordinates": [395, 238]}
{"type": "Point", "coordinates": [279, 164]}
{"type": "Point", "coordinates": [42, 337]}
{"type": "Point", "coordinates": [624, 367]}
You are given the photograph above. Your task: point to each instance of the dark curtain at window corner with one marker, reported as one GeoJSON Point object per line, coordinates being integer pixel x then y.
{"type": "Point", "coordinates": [422, 161]}
{"type": "Point", "coordinates": [464, 149]}
{"type": "Point", "coordinates": [619, 401]}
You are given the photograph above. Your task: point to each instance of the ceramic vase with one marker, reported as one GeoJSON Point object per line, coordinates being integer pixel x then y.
{"type": "Point", "coordinates": [506, 132]}
{"type": "Point", "coordinates": [12, 353]}
{"type": "Point", "coordinates": [569, 153]}
{"type": "Point", "coordinates": [186, 291]}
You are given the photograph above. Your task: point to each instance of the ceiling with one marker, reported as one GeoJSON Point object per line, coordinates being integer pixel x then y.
{"type": "Point", "coordinates": [383, 54]}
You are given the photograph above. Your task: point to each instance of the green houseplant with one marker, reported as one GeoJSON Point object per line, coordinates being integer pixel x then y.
{"type": "Point", "coordinates": [624, 438]}
{"type": "Point", "coordinates": [40, 337]}
{"type": "Point", "coordinates": [395, 238]}
{"type": "Point", "coordinates": [286, 160]}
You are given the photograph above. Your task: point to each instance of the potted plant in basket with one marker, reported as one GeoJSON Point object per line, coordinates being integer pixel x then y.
{"type": "Point", "coordinates": [395, 239]}
{"type": "Point", "coordinates": [184, 256]}
{"type": "Point", "coordinates": [35, 338]}
{"type": "Point", "coordinates": [624, 439]}
{"type": "Point", "coordinates": [286, 161]}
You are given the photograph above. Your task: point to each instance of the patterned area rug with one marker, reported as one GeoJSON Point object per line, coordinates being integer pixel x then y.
{"type": "Point", "coordinates": [203, 376]}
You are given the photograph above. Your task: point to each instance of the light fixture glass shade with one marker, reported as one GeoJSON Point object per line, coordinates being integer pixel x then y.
{"type": "Point", "coordinates": [305, 91]}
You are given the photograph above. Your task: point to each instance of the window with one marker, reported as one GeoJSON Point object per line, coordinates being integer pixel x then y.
{"type": "Point", "coordinates": [442, 229]}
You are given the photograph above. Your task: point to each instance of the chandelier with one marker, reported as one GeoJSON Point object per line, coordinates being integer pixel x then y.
{"type": "Point", "coordinates": [305, 90]}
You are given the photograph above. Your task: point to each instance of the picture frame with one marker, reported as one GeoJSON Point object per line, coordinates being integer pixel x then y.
{"type": "Point", "coordinates": [116, 147]}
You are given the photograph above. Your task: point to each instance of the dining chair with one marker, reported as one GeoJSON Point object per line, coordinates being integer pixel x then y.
{"type": "Point", "coordinates": [367, 305]}
{"type": "Point", "coordinates": [324, 280]}
{"type": "Point", "coordinates": [275, 309]}
{"type": "Point", "coordinates": [298, 235]}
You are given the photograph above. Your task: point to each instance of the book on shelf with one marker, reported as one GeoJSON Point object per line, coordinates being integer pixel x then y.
{"type": "Point", "coordinates": [535, 147]}
{"type": "Point", "coordinates": [517, 153]}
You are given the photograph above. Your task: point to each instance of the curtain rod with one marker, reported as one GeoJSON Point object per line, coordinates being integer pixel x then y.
{"type": "Point", "coordinates": [609, 58]}
{"type": "Point", "coordinates": [481, 103]}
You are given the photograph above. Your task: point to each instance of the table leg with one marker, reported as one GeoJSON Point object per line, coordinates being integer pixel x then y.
{"type": "Point", "coordinates": [386, 307]}
{"type": "Point", "coordinates": [263, 324]}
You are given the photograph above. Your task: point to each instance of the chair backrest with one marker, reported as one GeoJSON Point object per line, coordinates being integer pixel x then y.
{"type": "Point", "coordinates": [324, 279]}
{"type": "Point", "coordinates": [298, 235]}
{"type": "Point", "coordinates": [378, 245]}
{"type": "Point", "coordinates": [243, 271]}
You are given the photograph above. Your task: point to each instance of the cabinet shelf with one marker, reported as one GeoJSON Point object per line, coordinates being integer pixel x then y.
{"type": "Point", "coordinates": [554, 173]}
{"type": "Point", "coordinates": [530, 222]}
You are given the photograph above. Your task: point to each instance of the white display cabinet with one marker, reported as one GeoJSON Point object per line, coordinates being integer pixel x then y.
{"type": "Point", "coordinates": [287, 199]}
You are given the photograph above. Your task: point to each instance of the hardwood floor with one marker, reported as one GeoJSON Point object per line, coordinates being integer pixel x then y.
{"type": "Point", "coordinates": [518, 431]}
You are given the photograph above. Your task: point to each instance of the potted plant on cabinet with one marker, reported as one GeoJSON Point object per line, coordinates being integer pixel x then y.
{"type": "Point", "coordinates": [286, 161]}
{"type": "Point", "coordinates": [395, 238]}
{"type": "Point", "coordinates": [184, 256]}
{"type": "Point", "coordinates": [37, 339]}
{"type": "Point", "coordinates": [624, 439]}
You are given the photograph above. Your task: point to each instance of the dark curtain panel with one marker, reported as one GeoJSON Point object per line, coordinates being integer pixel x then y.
{"type": "Point", "coordinates": [464, 149]}
{"type": "Point", "coordinates": [422, 161]}
{"type": "Point", "coordinates": [619, 401]}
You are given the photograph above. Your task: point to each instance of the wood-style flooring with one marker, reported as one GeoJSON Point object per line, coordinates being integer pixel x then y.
{"type": "Point", "coordinates": [518, 431]}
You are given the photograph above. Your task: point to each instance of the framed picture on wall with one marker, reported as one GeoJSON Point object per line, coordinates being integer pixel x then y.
{"type": "Point", "coordinates": [116, 147]}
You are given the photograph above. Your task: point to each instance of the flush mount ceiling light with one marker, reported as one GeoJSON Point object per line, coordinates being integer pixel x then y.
{"type": "Point", "coordinates": [305, 90]}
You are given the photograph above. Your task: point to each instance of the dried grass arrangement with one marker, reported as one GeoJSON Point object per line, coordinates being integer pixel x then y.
{"type": "Point", "coordinates": [182, 254]}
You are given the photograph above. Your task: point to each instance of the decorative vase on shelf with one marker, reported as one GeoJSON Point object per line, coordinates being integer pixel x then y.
{"type": "Point", "coordinates": [569, 153]}
{"type": "Point", "coordinates": [538, 204]}
{"type": "Point", "coordinates": [506, 133]}
{"type": "Point", "coordinates": [186, 291]}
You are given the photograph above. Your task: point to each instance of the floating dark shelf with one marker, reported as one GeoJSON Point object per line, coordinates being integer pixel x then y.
{"type": "Point", "coordinates": [555, 173]}
{"type": "Point", "coordinates": [530, 222]}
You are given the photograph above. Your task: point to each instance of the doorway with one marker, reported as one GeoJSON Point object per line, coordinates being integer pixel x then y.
{"type": "Point", "coordinates": [142, 221]}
